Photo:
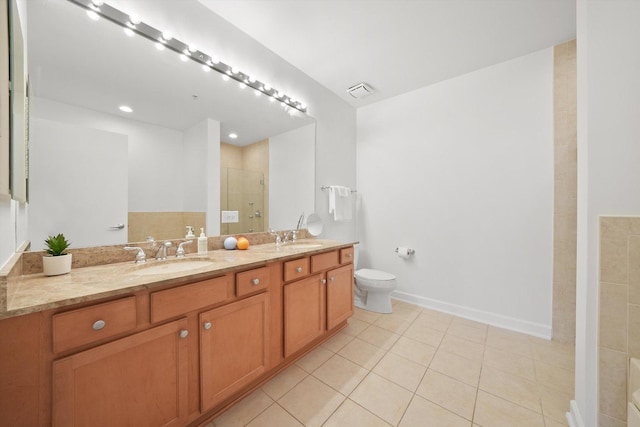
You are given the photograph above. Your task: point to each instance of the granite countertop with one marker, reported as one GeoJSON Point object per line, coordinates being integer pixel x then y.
{"type": "Point", "coordinates": [36, 292]}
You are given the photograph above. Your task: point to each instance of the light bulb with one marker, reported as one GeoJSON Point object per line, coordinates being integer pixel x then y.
{"type": "Point", "coordinates": [184, 58]}
{"type": "Point", "coordinates": [159, 46]}
{"type": "Point", "coordinates": [225, 77]}
{"type": "Point", "coordinates": [267, 87]}
{"type": "Point", "coordinates": [252, 79]}
{"type": "Point", "coordinates": [234, 70]}
{"type": "Point", "coordinates": [129, 32]}
{"type": "Point", "coordinates": [97, 3]}
{"type": "Point", "coordinates": [192, 48]}
{"type": "Point", "coordinates": [126, 109]}
{"type": "Point", "coordinates": [134, 19]}
{"type": "Point", "coordinates": [257, 92]}
{"type": "Point", "coordinates": [206, 68]}
{"type": "Point", "coordinates": [166, 36]}
{"type": "Point", "coordinates": [272, 99]}
{"type": "Point", "coordinates": [242, 85]}
{"type": "Point", "coordinates": [214, 59]}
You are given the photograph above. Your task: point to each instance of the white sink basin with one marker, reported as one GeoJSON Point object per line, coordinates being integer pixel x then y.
{"type": "Point", "coordinates": [303, 246]}
{"type": "Point", "coordinates": [172, 267]}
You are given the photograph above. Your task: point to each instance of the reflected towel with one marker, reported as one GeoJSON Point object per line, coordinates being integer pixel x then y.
{"type": "Point", "coordinates": [340, 203]}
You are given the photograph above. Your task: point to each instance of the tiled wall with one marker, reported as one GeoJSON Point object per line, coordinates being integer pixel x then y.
{"type": "Point", "coordinates": [619, 328]}
{"type": "Point", "coordinates": [565, 191]}
{"type": "Point", "coordinates": [163, 225]}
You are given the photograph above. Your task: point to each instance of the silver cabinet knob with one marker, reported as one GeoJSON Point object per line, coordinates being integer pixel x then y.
{"type": "Point", "coordinates": [331, 279]}
{"type": "Point", "coordinates": [323, 281]}
{"type": "Point", "coordinates": [207, 325]}
{"type": "Point", "coordinates": [184, 333]}
{"type": "Point", "coordinates": [255, 281]}
{"type": "Point", "coordinates": [99, 324]}
{"type": "Point", "coordinates": [349, 255]}
{"type": "Point", "coordinates": [299, 269]}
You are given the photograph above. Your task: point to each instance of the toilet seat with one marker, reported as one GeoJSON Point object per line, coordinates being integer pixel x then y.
{"type": "Point", "coordinates": [374, 278]}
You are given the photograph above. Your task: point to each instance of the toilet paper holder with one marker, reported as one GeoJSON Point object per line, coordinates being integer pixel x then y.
{"type": "Point", "coordinates": [410, 251]}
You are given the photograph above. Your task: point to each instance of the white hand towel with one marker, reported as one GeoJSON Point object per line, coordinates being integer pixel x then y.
{"type": "Point", "coordinates": [340, 203]}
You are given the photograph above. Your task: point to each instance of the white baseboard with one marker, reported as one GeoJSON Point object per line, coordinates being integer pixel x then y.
{"type": "Point", "coordinates": [573, 416]}
{"type": "Point", "coordinates": [518, 325]}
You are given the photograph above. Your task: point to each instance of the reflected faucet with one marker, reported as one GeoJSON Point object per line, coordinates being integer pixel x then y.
{"type": "Point", "coordinates": [161, 254]}
{"type": "Point", "coordinates": [284, 237]}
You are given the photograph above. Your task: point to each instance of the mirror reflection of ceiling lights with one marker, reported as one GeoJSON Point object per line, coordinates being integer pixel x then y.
{"type": "Point", "coordinates": [133, 25]}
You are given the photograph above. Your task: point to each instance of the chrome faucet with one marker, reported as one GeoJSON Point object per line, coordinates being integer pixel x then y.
{"type": "Point", "coordinates": [161, 254]}
{"type": "Point", "coordinates": [141, 257]}
{"type": "Point", "coordinates": [180, 250]}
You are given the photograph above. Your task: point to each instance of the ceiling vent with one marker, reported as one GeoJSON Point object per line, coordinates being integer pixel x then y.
{"type": "Point", "coordinates": [360, 90]}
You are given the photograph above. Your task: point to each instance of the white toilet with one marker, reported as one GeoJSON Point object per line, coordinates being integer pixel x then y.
{"type": "Point", "coordinates": [373, 288]}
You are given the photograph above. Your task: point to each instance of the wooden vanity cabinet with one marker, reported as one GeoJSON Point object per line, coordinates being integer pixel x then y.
{"type": "Point", "coordinates": [234, 348]}
{"type": "Point", "coordinates": [304, 312]}
{"type": "Point", "coordinates": [339, 295]}
{"type": "Point", "coordinates": [173, 355]}
{"type": "Point", "coordinates": [140, 380]}
{"type": "Point", "coordinates": [320, 302]}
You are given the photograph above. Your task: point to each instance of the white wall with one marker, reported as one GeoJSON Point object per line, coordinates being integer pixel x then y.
{"type": "Point", "coordinates": [155, 153]}
{"type": "Point", "coordinates": [79, 184]}
{"type": "Point", "coordinates": [608, 163]}
{"type": "Point", "coordinates": [462, 171]}
{"type": "Point", "coordinates": [291, 154]}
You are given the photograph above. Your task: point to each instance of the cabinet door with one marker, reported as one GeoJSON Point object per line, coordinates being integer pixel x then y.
{"type": "Point", "coordinates": [234, 343]}
{"type": "Point", "coordinates": [339, 295]}
{"type": "Point", "coordinates": [304, 313]}
{"type": "Point", "coordinates": [140, 380]}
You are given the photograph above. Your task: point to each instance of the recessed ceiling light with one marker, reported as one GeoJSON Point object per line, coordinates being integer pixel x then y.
{"type": "Point", "coordinates": [126, 109]}
{"type": "Point", "coordinates": [94, 16]}
{"type": "Point", "coordinates": [233, 135]}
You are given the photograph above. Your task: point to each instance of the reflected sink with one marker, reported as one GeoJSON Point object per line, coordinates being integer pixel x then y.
{"type": "Point", "coordinates": [172, 267]}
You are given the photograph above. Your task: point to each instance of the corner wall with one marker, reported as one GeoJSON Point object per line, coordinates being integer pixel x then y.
{"type": "Point", "coordinates": [462, 171]}
{"type": "Point", "coordinates": [608, 172]}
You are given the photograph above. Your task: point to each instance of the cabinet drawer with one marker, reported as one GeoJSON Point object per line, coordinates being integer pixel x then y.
{"type": "Point", "coordinates": [324, 261]}
{"type": "Point", "coordinates": [346, 255]}
{"type": "Point", "coordinates": [296, 269]}
{"type": "Point", "coordinates": [183, 299]}
{"type": "Point", "coordinates": [251, 281]}
{"type": "Point", "coordinates": [86, 325]}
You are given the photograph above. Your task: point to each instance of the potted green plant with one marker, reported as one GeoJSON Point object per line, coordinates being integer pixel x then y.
{"type": "Point", "coordinates": [57, 261]}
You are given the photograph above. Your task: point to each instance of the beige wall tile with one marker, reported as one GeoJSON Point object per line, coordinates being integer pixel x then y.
{"type": "Point", "coordinates": [613, 261]}
{"type": "Point", "coordinates": [634, 330]}
{"type": "Point", "coordinates": [634, 269]}
{"type": "Point", "coordinates": [612, 377]}
{"type": "Point", "coordinates": [613, 316]}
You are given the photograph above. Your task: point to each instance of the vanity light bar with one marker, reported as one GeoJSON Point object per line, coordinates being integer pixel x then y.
{"type": "Point", "coordinates": [134, 24]}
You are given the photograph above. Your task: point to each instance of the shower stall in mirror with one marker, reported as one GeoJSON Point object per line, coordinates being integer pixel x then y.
{"type": "Point", "coordinates": [243, 191]}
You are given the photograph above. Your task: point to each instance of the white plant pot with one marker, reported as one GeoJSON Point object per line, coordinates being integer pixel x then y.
{"type": "Point", "coordinates": [56, 265]}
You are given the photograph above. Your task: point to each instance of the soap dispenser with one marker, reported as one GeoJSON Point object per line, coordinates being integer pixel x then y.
{"type": "Point", "coordinates": [189, 234]}
{"type": "Point", "coordinates": [202, 243]}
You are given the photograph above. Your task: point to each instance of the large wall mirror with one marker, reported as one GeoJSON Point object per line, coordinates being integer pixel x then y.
{"type": "Point", "coordinates": [104, 176]}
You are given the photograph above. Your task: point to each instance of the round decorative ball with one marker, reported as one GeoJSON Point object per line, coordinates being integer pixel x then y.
{"type": "Point", "coordinates": [243, 243]}
{"type": "Point", "coordinates": [230, 243]}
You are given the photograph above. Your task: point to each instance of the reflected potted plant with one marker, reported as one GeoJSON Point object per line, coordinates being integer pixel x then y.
{"type": "Point", "coordinates": [57, 261]}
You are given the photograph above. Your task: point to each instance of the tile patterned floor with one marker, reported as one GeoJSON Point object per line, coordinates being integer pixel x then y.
{"type": "Point", "coordinates": [417, 367]}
